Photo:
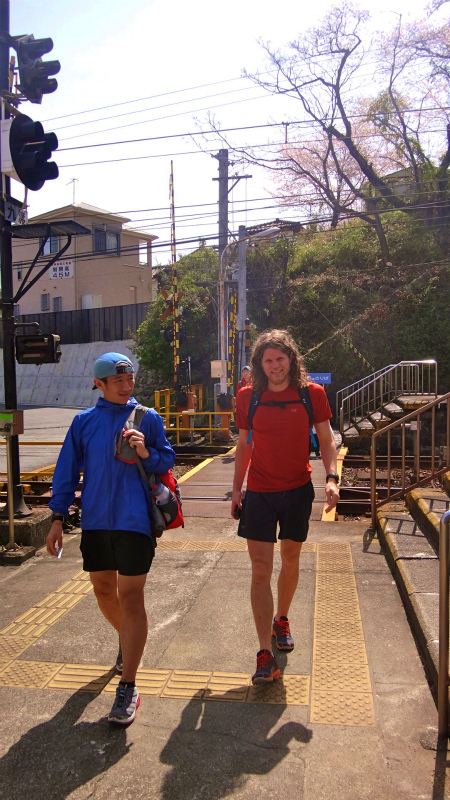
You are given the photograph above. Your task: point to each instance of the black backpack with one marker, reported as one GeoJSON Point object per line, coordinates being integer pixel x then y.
{"type": "Point", "coordinates": [304, 396]}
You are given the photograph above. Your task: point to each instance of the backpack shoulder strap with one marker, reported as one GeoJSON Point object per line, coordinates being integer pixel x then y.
{"type": "Point", "coordinates": [139, 414]}
{"type": "Point", "coordinates": [305, 397]}
{"type": "Point", "coordinates": [254, 402]}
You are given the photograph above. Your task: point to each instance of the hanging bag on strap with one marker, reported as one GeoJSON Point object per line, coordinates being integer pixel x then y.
{"type": "Point", "coordinates": [165, 505]}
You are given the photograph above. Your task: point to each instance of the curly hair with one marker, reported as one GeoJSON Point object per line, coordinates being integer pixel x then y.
{"type": "Point", "coordinates": [281, 340]}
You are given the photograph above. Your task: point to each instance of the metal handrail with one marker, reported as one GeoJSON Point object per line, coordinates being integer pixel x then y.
{"type": "Point", "coordinates": [353, 387]}
{"type": "Point", "coordinates": [406, 376]}
{"type": "Point", "coordinates": [402, 423]}
{"type": "Point", "coordinates": [443, 677]}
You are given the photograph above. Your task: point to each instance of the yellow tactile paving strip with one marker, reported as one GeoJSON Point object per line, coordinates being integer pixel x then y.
{"type": "Point", "coordinates": [230, 546]}
{"type": "Point", "coordinates": [36, 621]}
{"type": "Point", "coordinates": [341, 689]}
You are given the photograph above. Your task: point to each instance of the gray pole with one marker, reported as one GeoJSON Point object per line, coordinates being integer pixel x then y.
{"type": "Point", "coordinates": [223, 200]}
{"type": "Point", "coordinates": [9, 356]}
{"type": "Point", "coordinates": [222, 158]}
{"type": "Point", "coordinates": [242, 296]}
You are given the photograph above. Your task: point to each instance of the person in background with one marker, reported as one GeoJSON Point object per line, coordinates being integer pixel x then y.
{"type": "Point", "coordinates": [245, 379]}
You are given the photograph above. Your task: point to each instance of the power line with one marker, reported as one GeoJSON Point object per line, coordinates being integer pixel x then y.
{"type": "Point", "coordinates": [142, 99]}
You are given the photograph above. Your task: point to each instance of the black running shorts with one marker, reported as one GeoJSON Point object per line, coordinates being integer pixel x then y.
{"type": "Point", "coordinates": [262, 511]}
{"type": "Point", "coordinates": [127, 552]}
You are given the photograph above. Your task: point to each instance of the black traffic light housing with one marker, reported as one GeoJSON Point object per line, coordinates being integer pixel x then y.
{"type": "Point", "coordinates": [33, 72]}
{"type": "Point", "coordinates": [26, 150]}
{"type": "Point", "coordinates": [38, 348]}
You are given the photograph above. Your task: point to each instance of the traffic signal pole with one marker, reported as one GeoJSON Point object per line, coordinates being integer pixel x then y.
{"type": "Point", "coordinates": [9, 359]}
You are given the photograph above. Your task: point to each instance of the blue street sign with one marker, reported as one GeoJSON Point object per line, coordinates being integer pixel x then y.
{"type": "Point", "coordinates": [320, 377]}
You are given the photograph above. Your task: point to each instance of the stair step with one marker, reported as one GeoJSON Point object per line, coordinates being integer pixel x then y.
{"type": "Point", "coordinates": [365, 426]}
{"type": "Point", "coordinates": [427, 506]}
{"type": "Point", "coordinates": [415, 567]}
{"type": "Point", "coordinates": [393, 409]}
{"type": "Point", "coordinates": [411, 402]}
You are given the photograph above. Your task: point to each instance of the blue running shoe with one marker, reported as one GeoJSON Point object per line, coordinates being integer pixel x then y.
{"type": "Point", "coordinates": [124, 707]}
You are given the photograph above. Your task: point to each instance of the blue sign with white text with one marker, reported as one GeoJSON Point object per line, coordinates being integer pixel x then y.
{"type": "Point", "coordinates": [320, 377]}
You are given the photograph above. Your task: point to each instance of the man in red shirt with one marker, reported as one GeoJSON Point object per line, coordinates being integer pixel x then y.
{"type": "Point", "coordinates": [245, 379]}
{"type": "Point", "coordinates": [279, 488]}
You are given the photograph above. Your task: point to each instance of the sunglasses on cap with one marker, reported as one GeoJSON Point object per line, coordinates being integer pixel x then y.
{"type": "Point", "coordinates": [123, 366]}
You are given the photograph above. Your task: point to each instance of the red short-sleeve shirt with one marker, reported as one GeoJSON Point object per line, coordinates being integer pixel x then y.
{"type": "Point", "coordinates": [280, 455]}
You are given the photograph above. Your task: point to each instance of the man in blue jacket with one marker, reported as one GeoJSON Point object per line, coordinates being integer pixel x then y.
{"type": "Point", "coordinates": [116, 541]}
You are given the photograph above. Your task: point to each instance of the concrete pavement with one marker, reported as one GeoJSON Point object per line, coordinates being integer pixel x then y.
{"type": "Point", "coordinates": [345, 721]}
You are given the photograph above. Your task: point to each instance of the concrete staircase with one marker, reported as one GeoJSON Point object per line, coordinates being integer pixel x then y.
{"type": "Point", "coordinates": [364, 427]}
{"type": "Point", "coordinates": [409, 534]}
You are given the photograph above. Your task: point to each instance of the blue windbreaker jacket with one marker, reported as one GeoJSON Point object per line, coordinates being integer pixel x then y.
{"type": "Point", "coordinates": [113, 495]}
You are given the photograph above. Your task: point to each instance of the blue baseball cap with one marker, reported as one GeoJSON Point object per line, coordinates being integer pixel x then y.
{"type": "Point", "coordinates": [112, 364]}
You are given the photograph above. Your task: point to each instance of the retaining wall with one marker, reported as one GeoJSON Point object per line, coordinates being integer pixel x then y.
{"type": "Point", "coordinates": [68, 383]}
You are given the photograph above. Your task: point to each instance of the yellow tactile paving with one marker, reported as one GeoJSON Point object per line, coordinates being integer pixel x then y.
{"type": "Point", "coordinates": [347, 611]}
{"type": "Point", "coordinates": [286, 690]}
{"type": "Point", "coordinates": [41, 616]}
{"type": "Point", "coordinates": [60, 600]}
{"type": "Point", "coordinates": [237, 546]}
{"type": "Point", "coordinates": [200, 545]}
{"type": "Point", "coordinates": [186, 683]}
{"type": "Point", "coordinates": [25, 630]}
{"type": "Point", "coordinates": [28, 674]}
{"type": "Point", "coordinates": [150, 681]}
{"type": "Point", "coordinates": [76, 677]}
{"type": "Point", "coordinates": [341, 688]}
{"type": "Point", "coordinates": [227, 686]}
{"type": "Point", "coordinates": [337, 628]}
{"type": "Point", "coordinates": [340, 650]}
{"type": "Point", "coordinates": [13, 646]}
{"type": "Point", "coordinates": [340, 677]}
{"type": "Point", "coordinates": [76, 587]}
{"type": "Point", "coordinates": [342, 708]}
{"type": "Point", "coordinates": [81, 576]}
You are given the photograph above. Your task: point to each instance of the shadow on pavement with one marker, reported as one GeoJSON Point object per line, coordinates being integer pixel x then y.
{"type": "Point", "coordinates": [218, 745]}
{"type": "Point", "coordinates": [55, 758]}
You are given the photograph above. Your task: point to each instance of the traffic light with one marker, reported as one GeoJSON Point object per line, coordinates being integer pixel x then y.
{"type": "Point", "coordinates": [38, 349]}
{"type": "Point", "coordinates": [33, 72]}
{"type": "Point", "coordinates": [25, 152]}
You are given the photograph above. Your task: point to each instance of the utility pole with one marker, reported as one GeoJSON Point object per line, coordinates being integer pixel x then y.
{"type": "Point", "coordinates": [242, 295]}
{"type": "Point", "coordinates": [222, 158]}
{"type": "Point", "coordinates": [9, 358]}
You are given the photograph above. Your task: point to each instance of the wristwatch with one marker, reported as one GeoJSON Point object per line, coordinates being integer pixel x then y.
{"type": "Point", "coordinates": [334, 476]}
{"type": "Point", "coordinates": [58, 518]}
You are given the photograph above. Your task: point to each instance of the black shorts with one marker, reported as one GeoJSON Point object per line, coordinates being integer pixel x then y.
{"type": "Point", "coordinates": [127, 552]}
{"type": "Point", "coordinates": [261, 511]}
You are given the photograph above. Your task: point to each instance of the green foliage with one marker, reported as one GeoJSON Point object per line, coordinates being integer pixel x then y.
{"type": "Point", "coordinates": [198, 322]}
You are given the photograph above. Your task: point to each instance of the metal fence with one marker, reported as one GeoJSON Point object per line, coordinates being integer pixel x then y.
{"type": "Point", "coordinates": [90, 325]}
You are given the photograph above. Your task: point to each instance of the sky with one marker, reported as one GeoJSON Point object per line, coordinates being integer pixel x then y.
{"type": "Point", "coordinates": [152, 70]}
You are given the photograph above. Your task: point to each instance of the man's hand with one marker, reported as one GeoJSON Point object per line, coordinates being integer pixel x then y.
{"type": "Point", "coordinates": [332, 495]}
{"type": "Point", "coordinates": [236, 500]}
{"type": "Point", "coordinates": [55, 537]}
{"type": "Point", "coordinates": [136, 439]}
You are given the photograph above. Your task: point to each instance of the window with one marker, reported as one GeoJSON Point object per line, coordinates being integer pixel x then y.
{"type": "Point", "coordinates": [51, 246]}
{"type": "Point", "coordinates": [16, 310]}
{"type": "Point", "coordinates": [19, 272]}
{"type": "Point", "coordinates": [45, 302]}
{"type": "Point", "coordinates": [57, 304]}
{"type": "Point", "coordinates": [106, 242]}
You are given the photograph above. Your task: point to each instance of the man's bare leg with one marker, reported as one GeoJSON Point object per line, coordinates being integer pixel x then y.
{"type": "Point", "coordinates": [133, 627]}
{"type": "Point", "coordinates": [288, 577]}
{"type": "Point", "coordinates": [261, 556]}
{"type": "Point", "coordinates": [105, 590]}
